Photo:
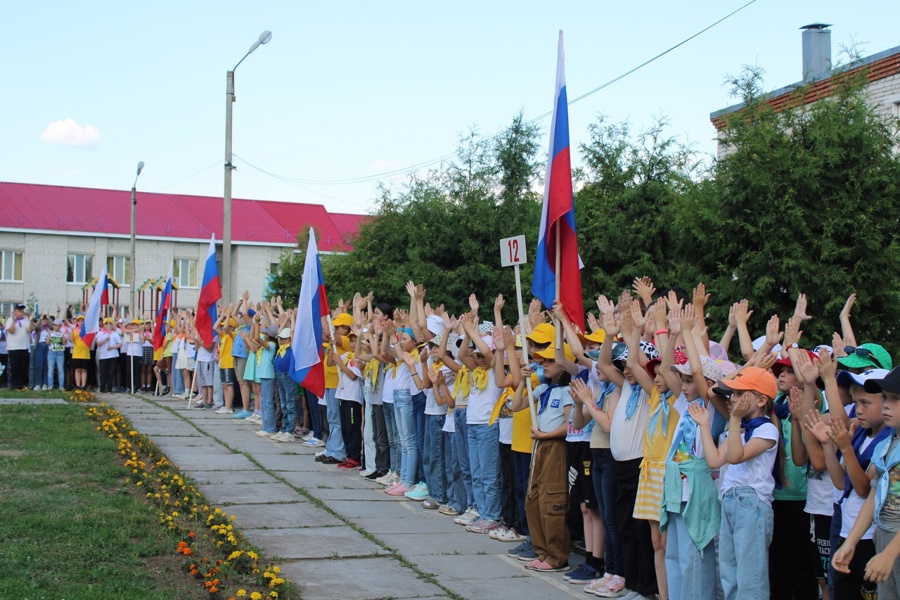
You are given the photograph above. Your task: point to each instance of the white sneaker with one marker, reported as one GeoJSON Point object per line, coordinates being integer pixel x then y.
{"type": "Point", "coordinates": [322, 453]}
{"type": "Point", "coordinates": [224, 411]}
{"type": "Point", "coordinates": [46, 388]}
{"type": "Point", "coordinates": [256, 419]}
{"type": "Point", "coordinates": [467, 517]}
{"type": "Point", "coordinates": [37, 388]}
{"type": "Point", "coordinates": [199, 404]}
{"type": "Point", "coordinates": [263, 434]}
{"type": "Point", "coordinates": [287, 437]}
{"type": "Point", "coordinates": [366, 472]}
{"type": "Point", "coordinates": [308, 436]}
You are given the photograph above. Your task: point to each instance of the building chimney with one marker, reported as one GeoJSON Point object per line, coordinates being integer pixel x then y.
{"type": "Point", "coordinates": [816, 51]}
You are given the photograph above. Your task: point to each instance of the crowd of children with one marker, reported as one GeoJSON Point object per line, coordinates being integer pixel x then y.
{"type": "Point", "coordinates": [683, 474]}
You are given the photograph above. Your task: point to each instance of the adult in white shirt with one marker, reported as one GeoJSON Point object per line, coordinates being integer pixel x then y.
{"type": "Point", "coordinates": [18, 336]}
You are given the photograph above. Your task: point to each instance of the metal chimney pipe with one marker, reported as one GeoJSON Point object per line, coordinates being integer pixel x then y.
{"type": "Point", "coordinates": [816, 51]}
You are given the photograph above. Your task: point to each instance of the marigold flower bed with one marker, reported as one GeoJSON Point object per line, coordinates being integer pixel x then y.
{"type": "Point", "coordinates": [211, 548]}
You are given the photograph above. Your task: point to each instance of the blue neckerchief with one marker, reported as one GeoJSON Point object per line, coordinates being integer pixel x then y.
{"type": "Point", "coordinates": [545, 397]}
{"type": "Point", "coordinates": [632, 404]}
{"type": "Point", "coordinates": [606, 389]}
{"type": "Point", "coordinates": [781, 407]}
{"type": "Point", "coordinates": [883, 465]}
{"type": "Point", "coordinates": [686, 432]}
{"type": "Point", "coordinates": [661, 411]}
{"type": "Point", "coordinates": [864, 457]}
{"type": "Point", "coordinates": [749, 427]}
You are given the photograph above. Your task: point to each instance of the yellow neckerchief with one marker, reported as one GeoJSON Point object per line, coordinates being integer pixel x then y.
{"type": "Point", "coordinates": [481, 378]}
{"type": "Point", "coordinates": [495, 413]}
{"type": "Point", "coordinates": [370, 373]}
{"type": "Point", "coordinates": [282, 350]}
{"type": "Point", "coordinates": [259, 352]}
{"type": "Point", "coordinates": [462, 384]}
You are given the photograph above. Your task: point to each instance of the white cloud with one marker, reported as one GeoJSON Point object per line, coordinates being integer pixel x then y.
{"type": "Point", "coordinates": [385, 165]}
{"type": "Point", "coordinates": [69, 133]}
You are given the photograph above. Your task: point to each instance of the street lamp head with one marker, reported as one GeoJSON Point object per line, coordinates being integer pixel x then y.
{"type": "Point", "coordinates": [140, 167]}
{"type": "Point", "coordinates": [264, 38]}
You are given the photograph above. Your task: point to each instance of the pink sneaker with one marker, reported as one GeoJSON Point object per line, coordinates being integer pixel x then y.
{"type": "Point", "coordinates": [613, 589]}
{"type": "Point", "coordinates": [398, 490]}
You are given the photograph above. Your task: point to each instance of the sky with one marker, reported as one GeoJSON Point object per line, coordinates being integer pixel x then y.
{"type": "Point", "coordinates": [358, 90]}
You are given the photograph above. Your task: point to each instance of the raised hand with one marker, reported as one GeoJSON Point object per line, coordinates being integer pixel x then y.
{"type": "Point", "coordinates": [675, 326]}
{"type": "Point", "coordinates": [499, 302]}
{"type": "Point", "coordinates": [700, 298]}
{"type": "Point", "coordinates": [842, 436]}
{"type": "Point", "coordinates": [688, 318]}
{"type": "Point", "coordinates": [593, 323]}
{"type": "Point", "coordinates": [837, 344]}
{"type": "Point", "coordinates": [497, 334]}
{"type": "Point", "coordinates": [795, 403]}
{"type": "Point", "coordinates": [773, 331]}
{"type": "Point", "coordinates": [699, 413]}
{"type": "Point", "coordinates": [643, 287]}
{"type": "Point", "coordinates": [848, 306]}
{"type": "Point", "coordinates": [800, 308]}
{"type": "Point", "coordinates": [742, 311]}
{"type": "Point", "coordinates": [610, 324]}
{"type": "Point", "coordinates": [637, 315]}
{"type": "Point", "coordinates": [411, 289]}
{"type": "Point", "coordinates": [766, 361]}
{"type": "Point", "coordinates": [660, 314]}
{"type": "Point", "coordinates": [827, 365]}
{"type": "Point", "coordinates": [805, 368]}
{"type": "Point", "coordinates": [742, 406]}
{"type": "Point", "coordinates": [817, 426]}
{"type": "Point", "coordinates": [580, 392]}
{"type": "Point", "coordinates": [792, 333]}
{"type": "Point", "coordinates": [420, 292]}
{"type": "Point", "coordinates": [473, 302]}
{"type": "Point", "coordinates": [605, 305]}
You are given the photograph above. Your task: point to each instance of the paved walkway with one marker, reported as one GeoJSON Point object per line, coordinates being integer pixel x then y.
{"type": "Point", "coordinates": [332, 532]}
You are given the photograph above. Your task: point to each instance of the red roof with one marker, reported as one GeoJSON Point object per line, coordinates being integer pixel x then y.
{"type": "Point", "coordinates": [87, 210]}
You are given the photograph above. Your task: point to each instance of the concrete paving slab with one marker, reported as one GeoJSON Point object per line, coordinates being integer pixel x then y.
{"type": "Point", "coordinates": [371, 511]}
{"type": "Point", "coordinates": [232, 477]}
{"type": "Point", "coordinates": [301, 514]}
{"type": "Point", "coordinates": [287, 462]}
{"type": "Point", "coordinates": [466, 566]}
{"type": "Point", "coordinates": [194, 461]}
{"type": "Point", "coordinates": [371, 578]}
{"type": "Point", "coordinates": [258, 493]}
{"type": "Point", "coordinates": [313, 542]}
{"type": "Point", "coordinates": [385, 524]}
{"type": "Point", "coordinates": [338, 493]}
{"type": "Point", "coordinates": [416, 544]}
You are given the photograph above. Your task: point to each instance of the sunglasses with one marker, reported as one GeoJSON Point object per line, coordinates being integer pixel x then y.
{"type": "Point", "coordinates": [865, 353]}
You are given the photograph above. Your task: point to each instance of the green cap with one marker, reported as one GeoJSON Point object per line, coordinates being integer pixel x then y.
{"type": "Point", "coordinates": [867, 356]}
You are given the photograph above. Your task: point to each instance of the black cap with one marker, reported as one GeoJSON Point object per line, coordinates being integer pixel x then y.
{"type": "Point", "coordinates": [20, 307]}
{"type": "Point", "coordinates": [890, 384]}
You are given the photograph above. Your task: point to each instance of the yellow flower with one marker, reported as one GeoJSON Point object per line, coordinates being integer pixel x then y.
{"type": "Point", "coordinates": [241, 593]}
{"type": "Point", "coordinates": [276, 569]}
{"type": "Point", "coordinates": [255, 596]}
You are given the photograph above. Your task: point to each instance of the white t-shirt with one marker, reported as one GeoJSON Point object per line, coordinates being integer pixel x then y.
{"type": "Point", "coordinates": [19, 339]}
{"type": "Point", "coordinates": [132, 343]}
{"type": "Point", "coordinates": [405, 380]}
{"type": "Point", "coordinates": [348, 388]}
{"type": "Point", "coordinates": [387, 390]}
{"type": "Point", "coordinates": [819, 491]}
{"type": "Point", "coordinates": [105, 339]}
{"type": "Point", "coordinates": [554, 413]}
{"type": "Point", "coordinates": [626, 436]}
{"type": "Point", "coordinates": [506, 427]}
{"type": "Point", "coordinates": [431, 405]}
{"type": "Point", "coordinates": [204, 355]}
{"type": "Point", "coordinates": [756, 472]}
{"type": "Point", "coordinates": [449, 422]}
{"type": "Point", "coordinates": [481, 402]}
{"type": "Point", "coordinates": [853, 503]}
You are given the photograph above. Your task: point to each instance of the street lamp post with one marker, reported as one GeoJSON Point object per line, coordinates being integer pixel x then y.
{"type": "Point", "coordinates": [140, 167]}
{"type": "Point", "coordinates": [264, 38]}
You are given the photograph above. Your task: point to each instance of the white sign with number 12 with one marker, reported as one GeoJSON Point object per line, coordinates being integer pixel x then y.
{"type": "Point", "coordinates": [512, 251]}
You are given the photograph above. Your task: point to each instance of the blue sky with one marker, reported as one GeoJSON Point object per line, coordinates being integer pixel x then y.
{"type": "Point", "coordinates": [354, 89]}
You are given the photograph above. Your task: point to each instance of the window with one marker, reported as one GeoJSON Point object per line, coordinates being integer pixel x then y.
{"type": "Point", "coordinates": [6, 308]}
{"type": "Point", "coordinates": [11, 269]}
{"type": "Point", "coordinates": [184, 272]}
{"type": "Point", "coordinates": [79, 268]}
{"type": "Point", "coordinates": [119, 268]}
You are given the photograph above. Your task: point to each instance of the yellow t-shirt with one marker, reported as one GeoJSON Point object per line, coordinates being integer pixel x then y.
{"type": "Point", "coordinates": [226, 341]}
{"type": "Point", "coordinates": [331, 373]}
{"type": "Point", "coordinates": [80, 350]}
{"type": "Point", "coordinates": [521, 433]}
{"type": "Point", "coordinates": [656, 443]}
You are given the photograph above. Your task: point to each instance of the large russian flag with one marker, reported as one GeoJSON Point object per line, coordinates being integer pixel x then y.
{"type": "Point", "coordinates": [91, 324]}
{"type": "Point", "coordinates": [558, 214]}
{"type": "Point", "coordinates": [306, 347]}
{"type": "Point", "coordinates": [210, 293]}
{"type": "Point", "coordinates": [165, 303]}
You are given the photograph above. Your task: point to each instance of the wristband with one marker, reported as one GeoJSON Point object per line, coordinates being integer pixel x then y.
{"type": "Point", "coordinates": [662, 331]}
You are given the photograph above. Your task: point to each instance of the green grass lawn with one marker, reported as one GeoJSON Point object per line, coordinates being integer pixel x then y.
{"type": "Point", "coordinates": [70, 529]}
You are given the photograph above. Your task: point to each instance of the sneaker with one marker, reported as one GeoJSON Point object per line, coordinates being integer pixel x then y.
{"type": "Point", "coordinates": [288, 437]}
{"type": "Point", "coordinates": [46, 388]}
{"type": "Point", "coordinates": [224, 411]}
{"type": "Point", "coordinates": [420, 492]}
{"type": "Point", "coordinates": [467, 517]}
{"type": "Point", "coordinates": [514, 552]}
{"type": "Point", "coordinates": [398, 490]}
{"type": "Point", "coordinates": [483, 526]}
{"type": "Point", "coordinates": [366, 472]}
{"type": "Point", "coordinates": [386, 479]}
{"type": "Point", "coordinates": [36, 388]}
{"type": "Point", "coordinates": [265, 434]}
{"type": "Point", "coordinates": [179, 396]}
{"type": "Point", "coordinates": [544, 566]}
{"type": "Point", "coordinates": [509, 535]}
{"type": "Point", "coordinates": [330, 460]}
{"type": "Point", "coordinates": [307, 437]}
{"type": "Point", "coordinates": [320, 454]}
{"type": "Point", "coordinates": [243, 414]}
{"type": "Point", "coordinates": [589, 588]}
{"type": "Point", "coordinates": [493, 534]}
{"type": "Point", "coordinates": [613, 588]}
{"type": "Point", "coordinates": [349, 465]}
{"type": "Point", "coordinates": [527, 554]}
{"type": "Point", "coordinates": [375, 475]}
{"type": "Point", "coordinates": [446, 509]}
{"type": "Point", "coordinates": [199, 404]}
{"type": "Point", "coordinates": [314, 443]}
{"type": "Point", "coordinates": [582, 574]}
{"type": "Point", "coordinates": [430, 504]}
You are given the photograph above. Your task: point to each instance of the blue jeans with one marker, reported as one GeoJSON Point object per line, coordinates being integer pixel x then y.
{"type": "Point", "coordinates": [522, 470]}
{"type": "Point", "coordinates": [56, 361]}
{"type": "Point", "coordinates": [267, 404]}
{"type": "Point", "coordinates": [461, 445]}
{"type": "Point", "coordinates": [287, 392]}
{"type": "Point", "coordinates": [419, 422]}
{"type": "Point", "coordinates": [434, 457]}
{"type": "Point", "coordinates": [456, 493]}
{"type": "Point", "coordinates": [334, 446]}
{"type": "Point", "coordinates": [39, 365]}
{"type": "Point", "coordinates": [390, 424]}
{"type": "Point", "coordinates": [747, 523]}
{"type": "Point", "coordinates": [177, 377]}
{"type": "Point", "coordinates": [689, 574]}
{"type": "Point", "coordinates": [484, 458]}
{"type": "Point", "coordinates": [406, 432]}
{"type": "Point", "coordinates": [603, 474]}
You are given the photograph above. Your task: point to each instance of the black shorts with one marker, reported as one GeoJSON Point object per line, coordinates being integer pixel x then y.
{"type": "Point", "coordinates": [227, 377]}
{"type": "Point", "coordinates": [581, 484]}
{"type": "Point", "coordinates": [81, 363]}
{"type": "Point", "coordinates": [820, 544]}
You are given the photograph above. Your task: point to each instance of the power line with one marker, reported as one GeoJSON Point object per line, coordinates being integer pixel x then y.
{"type": "Point", "coordinates": [428, 163]}
{"type": "Point", "coordinates": [188, 177]}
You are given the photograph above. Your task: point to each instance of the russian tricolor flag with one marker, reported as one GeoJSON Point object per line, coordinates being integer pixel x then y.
{"type": "Point", "coordinates": [306, 347]}
{"type": "Point", "coordinates": [91, 324]}
{"type": "Point", "coordinates": [558, 215]}
{"type": "Point", "coordinates": [210, 293]}
{"type": "Point", "coordinates": [165, 303]}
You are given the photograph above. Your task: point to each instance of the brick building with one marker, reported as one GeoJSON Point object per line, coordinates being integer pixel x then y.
{"type": "Point", "coordinates": [882, 71]}
{"type": "Point", "coordinates": [54, 240]}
